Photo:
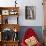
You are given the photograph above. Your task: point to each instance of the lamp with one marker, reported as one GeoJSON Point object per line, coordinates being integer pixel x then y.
{"type": "Point", "coordinates": [15, 3]}
{"type": "Point", "coordinates": [15, 30]}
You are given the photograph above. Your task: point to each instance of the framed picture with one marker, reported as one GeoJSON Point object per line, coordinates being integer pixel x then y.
{"type": "Point", "coordinates": [5, 12]}
{"type": "Point", "coordinates": [30, 12]}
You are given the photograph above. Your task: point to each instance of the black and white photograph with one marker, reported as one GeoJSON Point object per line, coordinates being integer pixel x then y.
{"type": "Point", "coordinates": [30, 12]}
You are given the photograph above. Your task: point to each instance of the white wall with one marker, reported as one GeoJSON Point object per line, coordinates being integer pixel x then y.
{"type": "Point", "coordinates": [22, 3]}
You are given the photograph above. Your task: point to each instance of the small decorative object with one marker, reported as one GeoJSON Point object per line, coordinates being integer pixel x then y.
{"type": "Point", "coordinates": [5, 12]}
{"type": "Point", "coordinates": [7, 34]}
{"type": "Point", "coordinates": [13, 12]}
{"type": "Point", "coordinates": [15, 35]}
{"type": "Point", "coordinates": [15, 3]}
{"type": "Point", "coordinates": [15, 30]}
{"type": "Point", "coordinates": [30, 12]}
{"type": "Point", "coordinates": [6, 21]}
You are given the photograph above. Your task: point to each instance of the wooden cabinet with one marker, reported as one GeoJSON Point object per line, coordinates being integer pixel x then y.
{"type": "Point", "coordinates": [7, 26]}
{"type": "Point", "coordinates": [10, 43]}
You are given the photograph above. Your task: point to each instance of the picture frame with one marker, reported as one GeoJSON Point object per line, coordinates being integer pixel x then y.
{"type": "Point", "coordinates": [30, 12]}
{"type": "Point", "coordinates": [5, 12]}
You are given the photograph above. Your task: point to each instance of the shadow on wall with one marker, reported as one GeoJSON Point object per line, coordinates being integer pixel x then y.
{"type": "Point", "coordinates": [37, 29]}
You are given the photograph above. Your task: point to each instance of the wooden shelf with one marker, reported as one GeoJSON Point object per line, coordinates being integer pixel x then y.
{"type": "Point", "coordinates": [6, 25]}
{"type": "Point", "coordinates": [4, 13]}
{"type": "Point", "coordinates": [9, 43]}
{"type": "Point", "coordinates": [2, 17]}
{"type": "Point", "coordinates": [9, 9]}
{"type": "Point", "coordinates": [11, 26]}
{"type": "Point", "coordinates": [5, 8]}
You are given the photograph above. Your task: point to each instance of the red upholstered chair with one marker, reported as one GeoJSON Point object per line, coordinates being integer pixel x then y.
{"type": "Point", "coordinates": [28, 34]}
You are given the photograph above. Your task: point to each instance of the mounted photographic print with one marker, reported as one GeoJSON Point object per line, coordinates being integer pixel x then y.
{"type": "Point", "coordinates": [5, 12]}
{"type": "Point", "coordinates": [30, 12]}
